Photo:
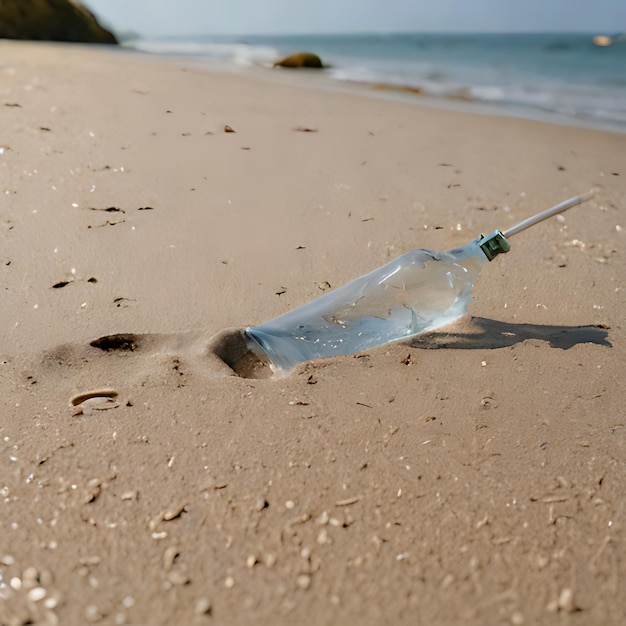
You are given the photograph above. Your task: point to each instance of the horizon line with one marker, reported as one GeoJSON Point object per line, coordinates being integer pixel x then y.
{"type": "Point", "coordinates": [339, 33]}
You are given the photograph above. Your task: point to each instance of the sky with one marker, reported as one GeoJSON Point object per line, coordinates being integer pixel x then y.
{"type": "Point", "coordinates": [188, 17]}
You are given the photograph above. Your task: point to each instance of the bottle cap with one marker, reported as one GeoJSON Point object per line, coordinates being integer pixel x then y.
{"type": "Point", "coordinates": [494, 244]}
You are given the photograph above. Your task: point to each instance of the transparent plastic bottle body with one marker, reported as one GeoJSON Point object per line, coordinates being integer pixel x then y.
{"type": "Point", "coordinates": [419, 291]}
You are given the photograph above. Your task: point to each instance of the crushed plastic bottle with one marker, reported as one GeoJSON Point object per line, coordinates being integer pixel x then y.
{"type": "Point", "coordinates": [419, 291]}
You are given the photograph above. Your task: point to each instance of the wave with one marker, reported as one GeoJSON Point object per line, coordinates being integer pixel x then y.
{"type": "Point", "coordinates": [554, 74]}
{"type": "Point", "coordinates": [239, 54]}
{"type": "Point", "coordinates": [575, 101]}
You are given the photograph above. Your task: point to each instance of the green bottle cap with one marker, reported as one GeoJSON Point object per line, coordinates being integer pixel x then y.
{"type": "Point", "coordinates": [494, 244]}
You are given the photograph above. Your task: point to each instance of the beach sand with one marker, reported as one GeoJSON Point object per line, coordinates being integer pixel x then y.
{"type": "Point", "coordinates": [475, 475]}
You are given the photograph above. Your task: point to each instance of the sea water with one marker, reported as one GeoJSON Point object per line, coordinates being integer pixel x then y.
{"type": "Point", "coordinates": [522, 74]}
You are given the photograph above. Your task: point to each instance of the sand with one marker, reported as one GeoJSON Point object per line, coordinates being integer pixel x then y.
{"type": "Point", "coordinates": [474, 475]}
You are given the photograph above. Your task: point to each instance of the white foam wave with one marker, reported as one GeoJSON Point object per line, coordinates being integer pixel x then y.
{"type": "Point", "coordinates": [239, 54]}
{"type": "Point", "coordinates": [566, 99]}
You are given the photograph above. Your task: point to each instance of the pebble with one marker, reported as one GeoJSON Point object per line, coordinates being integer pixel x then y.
{"type": "Point", "coordinates": [93, 491]}
{"type": "Point", "coordinates": [30, 577]}
{"type": "Point", "coordinates": [348, 501]}
{"type": "Point", "coordinates": [36, 594]}
{"type": "Point", "coordinates": [323, 518]}
{"type": "Point", "coordinates": [51, 602]}
{"type": "Point", "coordinates": [447, 581]}
{"type": "Point", "coordinates": [169, 556]}
{"type": "Point", "coordinates": [203, 606]}
{"type": "Point", "coordinates": [176, 577]}
{"type": "Point", "coordinates": [92, 613]}
{"type": "Point", "coordinates": [229, 583]}
{"type": "Point", "coordinates": [303, 581]}
{"type": "Point", "coordinates": [260, 503]}
{"type": "Point", "coordinates": [566, 601]}
{"type": "Point", "coordinates": [173, 512]}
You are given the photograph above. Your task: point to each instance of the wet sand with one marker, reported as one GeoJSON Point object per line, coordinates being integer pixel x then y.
{"type": "Point", "coordinates": [472, 475]}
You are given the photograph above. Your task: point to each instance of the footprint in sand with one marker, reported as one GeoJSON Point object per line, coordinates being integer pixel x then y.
{"type": "Point", "coordinates": [147, 361]}
{"type": "Point", "coordinates": [152, 360]}
{"type": "Point", "coordinates": [226, 353]}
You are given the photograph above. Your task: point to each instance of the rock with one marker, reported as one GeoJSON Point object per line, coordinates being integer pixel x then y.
{"type": "Point", "coordinates": [301, 59]}
{"type": "Point", "coordinates": [51, 20]}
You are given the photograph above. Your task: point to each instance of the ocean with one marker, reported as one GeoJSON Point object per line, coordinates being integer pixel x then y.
{"type": "Point", "coordinates": [565, 76]}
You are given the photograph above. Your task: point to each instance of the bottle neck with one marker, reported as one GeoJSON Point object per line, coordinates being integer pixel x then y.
{"type": "Point", "coordinates": [484, 247]}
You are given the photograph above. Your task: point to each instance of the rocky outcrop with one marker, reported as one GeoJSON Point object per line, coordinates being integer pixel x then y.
{"type": "Point", "coordinates": [51, 20]}
{"type": "Point", "coordinates": [301, 59]}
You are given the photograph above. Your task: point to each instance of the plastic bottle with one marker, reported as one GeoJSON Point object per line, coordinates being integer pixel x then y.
{"type": "Point", "coordinates": [419, 291]}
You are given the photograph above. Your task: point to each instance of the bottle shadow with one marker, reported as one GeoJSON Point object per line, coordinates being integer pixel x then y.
{"type": "Point", "coordinates": [487, 334]}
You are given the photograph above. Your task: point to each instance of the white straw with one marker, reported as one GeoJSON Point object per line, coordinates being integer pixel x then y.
{"type": "Point", "coordinates": [544, 215]}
